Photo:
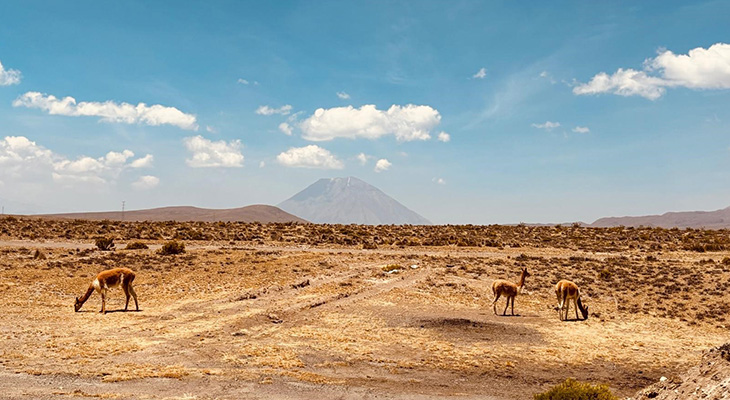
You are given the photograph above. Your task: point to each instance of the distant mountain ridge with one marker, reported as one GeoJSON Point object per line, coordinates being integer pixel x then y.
{"type": "Point", "coordinates": [718, 219]}
{"type": "Point", "coordinates": [255, 213]}
{"type": "Point", "coordinates": [349, 201]}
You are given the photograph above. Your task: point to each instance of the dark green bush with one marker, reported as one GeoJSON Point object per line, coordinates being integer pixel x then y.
{"type": "Point", "coordinates": [172, 247]}
{"type": "Point", "coordinates": [136, 246]}
{"type": "Point", "coordinates": [105, 244]}
{"type": "Point", "coordinates": [574, 390]}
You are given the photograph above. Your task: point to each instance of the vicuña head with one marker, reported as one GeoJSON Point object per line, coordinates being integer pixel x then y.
{"type": "Point", "coordinates": [566, 290]}
{"type": "Point", "coordinates": [508, 289]}
{"type": "Point", "coordinates": [108, 279]}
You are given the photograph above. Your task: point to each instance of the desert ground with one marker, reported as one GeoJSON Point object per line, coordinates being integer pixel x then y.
{"type": "Point", "coordinates": [287, 311]}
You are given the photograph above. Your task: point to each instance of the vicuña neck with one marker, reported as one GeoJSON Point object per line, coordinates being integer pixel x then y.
{"type": "Point", "coordinates": [522, 280]}
{"type": "Point", "coordinates": [86, 296]}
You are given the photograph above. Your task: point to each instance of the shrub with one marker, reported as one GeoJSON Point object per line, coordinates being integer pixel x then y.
{"type": "Point", "coordinates": [105, 244]}
{"type": "Point", "coordinates": [136, 246]}
{"type": "Point", "coordinates": [605, 274]}
{"type": "Point", "coordinates": [574, 390]}
{"type": "Point", "coordinates": [391, 267]}
{"type": "Point", "coordinates": [172, 247]}
{"type": "Point", "coordinates": [38, 255]}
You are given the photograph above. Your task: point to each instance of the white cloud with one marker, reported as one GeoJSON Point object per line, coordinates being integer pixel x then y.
{"type": "Point", "coordinates": [440, 181]}
{"type": "Point", "coordinates": [581, 129]}
{"type": "Point", "coordinates": [23, 160]}
{"type": "Point", "coordinates": [18, 150]}
{"type": "Point", "coordinates": [546, 75]}
{"type": "Point", "coordinates": [481, 74]}
{"type": "Point", "coordinates": [309, 157]}
{"type": "Point", "coordinates": [262, 164]}
{"type": "Point", "coordinates": [698, 69]}
{"type": "Point", "coordinates": [382, 165]}
{"type": "Point", "coordinates": [266, 110]}
{"type": "Point", "coordinates": [144, 162]}
{"type": "Point", "coordinates": [444, 137]}
{"type": "Point", "coordinates": [211, 129]}
{"type": "Point", "coordinates": [624, 82]}
{"type": "Point", "coordinates": [286, 128]}
{"type": "Point", "coordinates": [548, 125]}
{"type": "Point", "coordinates": [146, 182]}
{"type": "Point", "coordinates": [109, 111]}
{"type": "Point", "coordinates": [363, 158]}
{"type": "Point", "coordinates": [114, 158]}
{"type": "Point", "coordinates": [242, 81]}
{"type": "Point", "coordinates": [343, 95]}
{"type": "Point", "coordinates": [407, 123]}
{"type": "Point", "coordinates": [9, 76]}
{"type": "Point", "coordinates": [207, 153]}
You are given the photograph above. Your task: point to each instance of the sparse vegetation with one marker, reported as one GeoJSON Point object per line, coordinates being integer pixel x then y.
{"type": "Point", "coordinates": [266, 297]}
{"type": "Point", "coordinates": [574, 390]}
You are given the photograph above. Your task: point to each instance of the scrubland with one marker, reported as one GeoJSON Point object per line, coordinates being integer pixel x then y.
{"type": "Point", "coordinates": [347, 311]}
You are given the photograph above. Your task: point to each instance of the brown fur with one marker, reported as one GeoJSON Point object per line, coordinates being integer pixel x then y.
{"type": "Point", "coordinates": [508, 289]}
{"type": "Point", "coordinates": [568, 291]}
{"type": "Point", "coordinates": [108, 279]}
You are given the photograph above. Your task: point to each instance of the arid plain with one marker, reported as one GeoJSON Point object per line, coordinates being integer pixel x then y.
{"type": "Point", "coordinates": [352, 312]}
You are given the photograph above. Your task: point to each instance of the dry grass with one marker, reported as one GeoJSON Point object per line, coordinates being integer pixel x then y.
{"type": "Point", "coordinates": [267, 312]}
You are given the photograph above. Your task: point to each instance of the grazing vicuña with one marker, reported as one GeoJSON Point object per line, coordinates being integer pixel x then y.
{"type": "Point", "coordinates": [566, 290]}
{"type": "Point", "coordinates": [106, 280]}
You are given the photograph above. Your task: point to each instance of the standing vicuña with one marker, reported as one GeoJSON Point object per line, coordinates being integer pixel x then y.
{"type": "Point", "coordinates": [509, 289]}
{"type": "Point", "coordinates": [566, 290]}
{"type": "Point", "coordinates": [106, 280]}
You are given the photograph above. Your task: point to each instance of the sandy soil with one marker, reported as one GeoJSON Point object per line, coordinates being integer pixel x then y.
{"type": "Point", "coordinates": [284, 321]}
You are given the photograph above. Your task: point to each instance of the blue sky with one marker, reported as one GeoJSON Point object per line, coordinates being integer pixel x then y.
{"type": "Point", "coordinates": [466, 112]}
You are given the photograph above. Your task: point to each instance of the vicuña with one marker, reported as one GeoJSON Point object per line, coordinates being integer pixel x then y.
{"type": "Point", "coordinates": [508, 289]}
{"type": "Point", "coordinates": [107, 280]}
{"type": "Point", "coordinates": [568, 291]}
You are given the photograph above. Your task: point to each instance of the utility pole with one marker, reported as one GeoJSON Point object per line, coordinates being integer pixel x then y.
{"type": "Point", "coordinates": [123, 209]}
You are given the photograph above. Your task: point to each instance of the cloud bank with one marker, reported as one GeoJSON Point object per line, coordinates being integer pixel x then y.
{"type": "Point", "coordinates": [109, 111]}
{"type": "Point", "coordinates": [22, 159]}
{"type": "Point", "coordinates": [698, 69]}
{"type": "Point", "coordinates": [406, 123]}
{"type": "Point", "coordinates": [209, 154]}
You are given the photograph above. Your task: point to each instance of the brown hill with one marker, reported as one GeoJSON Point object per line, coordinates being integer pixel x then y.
{"type": "Point", "coordinates": [689, 219]}
{"type": "Point", "coordinates": [255, 213]}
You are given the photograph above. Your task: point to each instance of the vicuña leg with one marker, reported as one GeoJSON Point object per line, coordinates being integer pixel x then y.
{"type": "Point", "coordinates": [134, 294]}
{"type": "Point", "coordinates": [494, 303]}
